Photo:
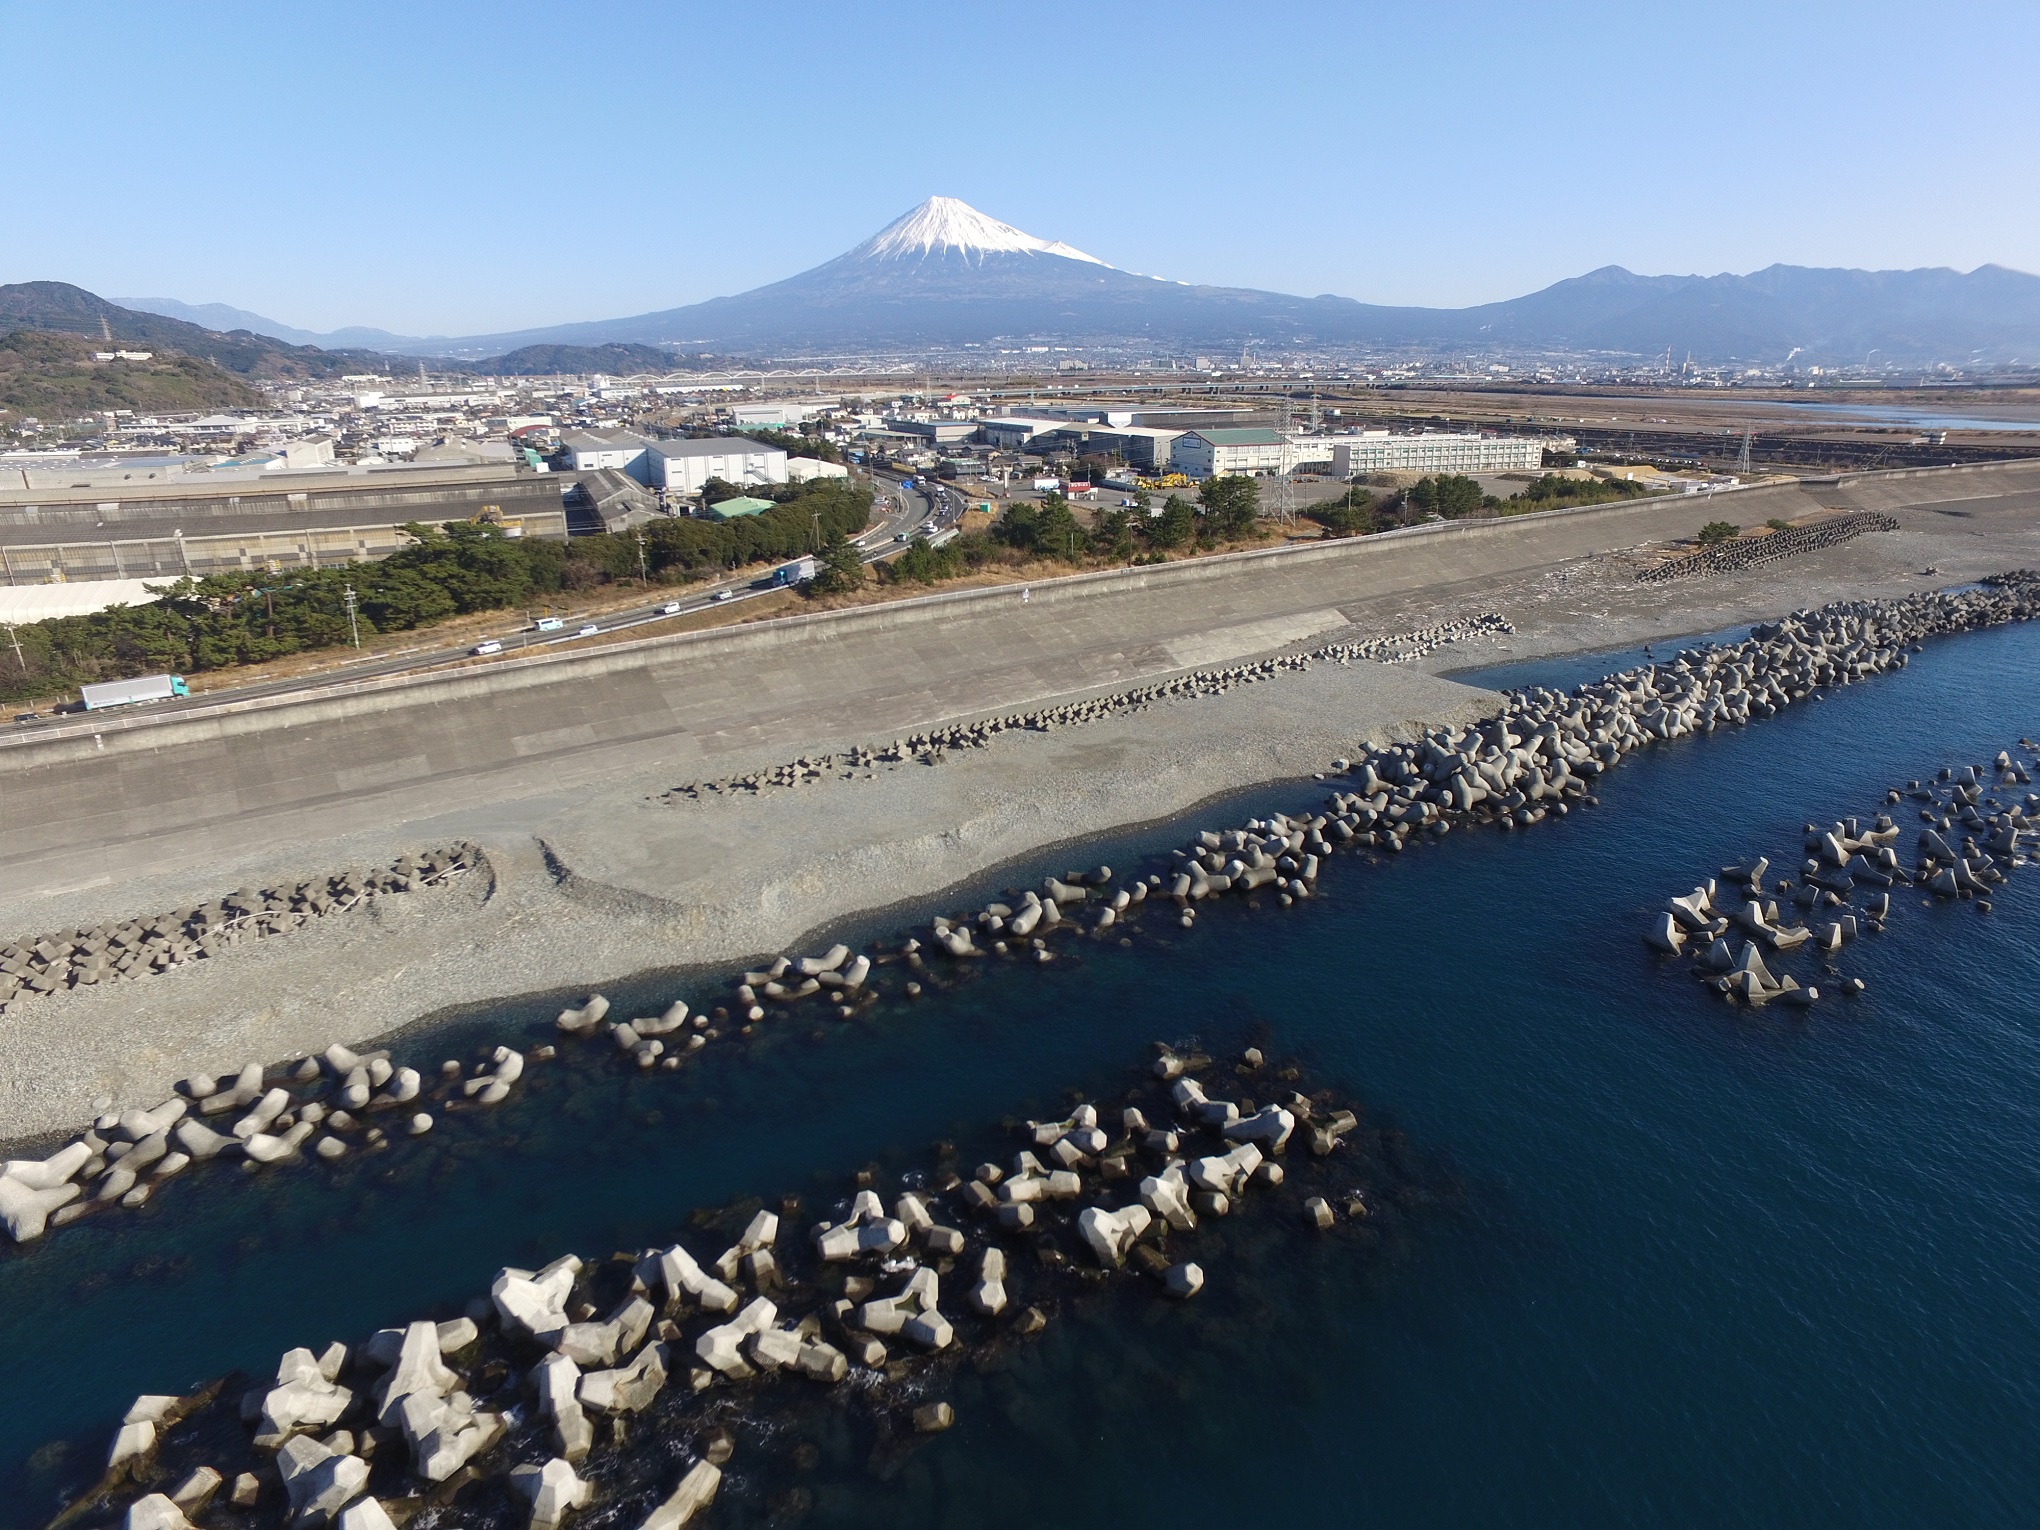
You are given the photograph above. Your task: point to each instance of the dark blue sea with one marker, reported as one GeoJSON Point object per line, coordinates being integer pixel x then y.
{"type": "Point", "coordinates": [1698, 1265]}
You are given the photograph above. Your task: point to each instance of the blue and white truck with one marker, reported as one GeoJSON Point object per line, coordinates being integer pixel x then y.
{"type": "Point", "coordinates": [126, 693]}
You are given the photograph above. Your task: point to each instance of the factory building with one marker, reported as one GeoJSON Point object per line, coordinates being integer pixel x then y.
{"type": "Point", "coordinates": [780, 414]}
{"type": "Point", "coordinates": [1013, 433]}
{"type": "Point", "coordinates": [1222, 453]}
{"type": "Point", "coordinates": [935, 432]}
{"type": "Point", "coordinates": [682, 467]}
{"type": "Point", "coordinates": [1377, 451]}
{"type": "Point", "coordinates": [622, 451]}
{"type": "Point", "coordinates": [165, 530]}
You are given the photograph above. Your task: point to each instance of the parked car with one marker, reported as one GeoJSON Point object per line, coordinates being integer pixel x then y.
{"type": "Point", "coordinates": [483, 649]}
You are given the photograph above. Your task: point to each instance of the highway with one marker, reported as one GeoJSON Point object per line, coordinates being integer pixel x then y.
{"type": "Point", "coordinates": [898, 511]}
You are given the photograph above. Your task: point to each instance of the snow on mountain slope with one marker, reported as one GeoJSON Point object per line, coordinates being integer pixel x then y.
{"type": "Point", "coordinates": [944, 224]}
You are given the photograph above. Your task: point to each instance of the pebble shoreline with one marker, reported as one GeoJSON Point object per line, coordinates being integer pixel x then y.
{"type": "Point", "coordinates": [930, 748]}
{"type": "Point", "coordinates": [153, 944]}
{"type": "Point", "coordinates": [1733, 557]}
{"type": "Point", "coordinates": [1534, 760]}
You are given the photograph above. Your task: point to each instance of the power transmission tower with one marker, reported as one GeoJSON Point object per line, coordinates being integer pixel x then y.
{"type": "Point", "coordinates": [1742, 461]}
{"type": "Point", "coordinates": [1284, 510]}
{"type": "Point", "coordinates": [353, 605]}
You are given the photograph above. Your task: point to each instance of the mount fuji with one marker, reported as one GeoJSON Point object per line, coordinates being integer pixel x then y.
{"type": "Point", "coordinates": [943, 274]}
{"type": "Point", "coordinates": [946, 275]}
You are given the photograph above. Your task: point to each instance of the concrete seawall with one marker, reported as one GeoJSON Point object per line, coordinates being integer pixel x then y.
{"type": "Point", "coordinates": [556, 766]}
{"type": "Point", "coordinates": [104, 802]}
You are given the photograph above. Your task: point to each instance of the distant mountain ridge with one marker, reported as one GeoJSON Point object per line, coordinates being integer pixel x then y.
{"type": "Point", "coordinates": [945, 275]}
{"type": "Point", "coordinates": [58, 308]}
{"type": "Point", "coordinates": [224, 318]}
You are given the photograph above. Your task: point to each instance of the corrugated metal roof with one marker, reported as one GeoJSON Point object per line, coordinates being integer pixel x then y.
{"type": "Point", "coordinates": [1240, 437]}
{"type": "Point", "coordinates": [713, 446]}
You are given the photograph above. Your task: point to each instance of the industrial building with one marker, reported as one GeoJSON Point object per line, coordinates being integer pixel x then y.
{"type": "Point", "coordinates": [164, 530]}
{"type": "Point", "coordinates": [1221, 453]}
{"type": "Point", "coordinates": [780, 414]}
{"type": "Point", "coordinates": [936, 432]}
{"type": "Point", "coordinates": [1377, 451]}
{"type": "Point", "coordinates": [623, 451]}
{"type": "Point", "coordinates": [743, 504]}
{"type": "Point", "coordinates": [1013, 433]}
{"type": "Point", "coordinates": [682, 467]}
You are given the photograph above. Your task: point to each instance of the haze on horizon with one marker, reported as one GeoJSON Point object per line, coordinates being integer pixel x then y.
{"type": "Point", "coordinates": [465, 169]}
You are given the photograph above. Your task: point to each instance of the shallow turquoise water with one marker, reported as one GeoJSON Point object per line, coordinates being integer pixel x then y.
{"type": "Point", "coordinates": [1707, 1266]}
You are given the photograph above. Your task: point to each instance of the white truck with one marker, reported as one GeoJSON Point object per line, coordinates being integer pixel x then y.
{"type": "Point", "coordinates": [126, 693]}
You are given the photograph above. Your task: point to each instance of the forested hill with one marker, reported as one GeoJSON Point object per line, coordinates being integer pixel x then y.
{"type": "Point", "coordinates": [54, 378]}
{"type": "Point", "coordinates": [62, 308]}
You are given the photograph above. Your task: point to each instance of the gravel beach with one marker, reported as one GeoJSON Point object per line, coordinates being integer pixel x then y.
{"type": "Point", "coordinates": [585, 889]}
{"type": "Point", "coordinates": [591, 880]}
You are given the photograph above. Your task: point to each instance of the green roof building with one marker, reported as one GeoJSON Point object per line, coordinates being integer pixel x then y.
{"type": "Point", "coordinates": [730, 509]}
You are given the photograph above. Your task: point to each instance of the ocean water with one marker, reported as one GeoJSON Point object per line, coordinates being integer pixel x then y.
{"type": "Point", "coordinates": [1696, 1264]}
{"type": "Point", "coordinates": [1924, 419]}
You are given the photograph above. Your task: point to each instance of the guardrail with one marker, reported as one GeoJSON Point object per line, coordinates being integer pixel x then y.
{"type": "Point", "coordinates": [1045, 592]}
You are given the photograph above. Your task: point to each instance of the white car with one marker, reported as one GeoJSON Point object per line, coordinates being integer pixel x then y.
{"type": "Point", "coordinates": [483, 650]}
{"type": "Point", "coordinates": [588, 631]}
{"type": "Point", "coordinates": [670, 608]}
{"type": "Point", "coordinates": [724, 594]}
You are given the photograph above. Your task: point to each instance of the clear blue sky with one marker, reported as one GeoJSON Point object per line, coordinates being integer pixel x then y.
{"type": "Point", "coordinates": [447, 168]}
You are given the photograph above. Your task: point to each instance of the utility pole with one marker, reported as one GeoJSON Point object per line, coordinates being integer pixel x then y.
{"type": "Point", "coordinates": [644, 573]}
{"type": "Point", "coordinates": [353, 605]}
{"type": "Point", "coordinates": [15, 638]}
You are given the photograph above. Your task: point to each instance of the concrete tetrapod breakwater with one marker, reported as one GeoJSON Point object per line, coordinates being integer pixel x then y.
{"type": "Point", "coordinates": [619, 1387]}
{"type": "Point", "coordinates": [1996, 836]}
{"type": "Point", "coordinates": [1533, 760]}
{"type": "Point", "coordinates": [151, 944]}
{"type": "Point", "coordinates": [1753, 552]}
{"type": "Point", "coordinates": [1402, 648]}
{"type": "Point", "coordinates": [92, 805]}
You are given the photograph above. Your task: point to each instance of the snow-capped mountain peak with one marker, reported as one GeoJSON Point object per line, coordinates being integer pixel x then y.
{"type": "Point", "coordinates": [943, 224]}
